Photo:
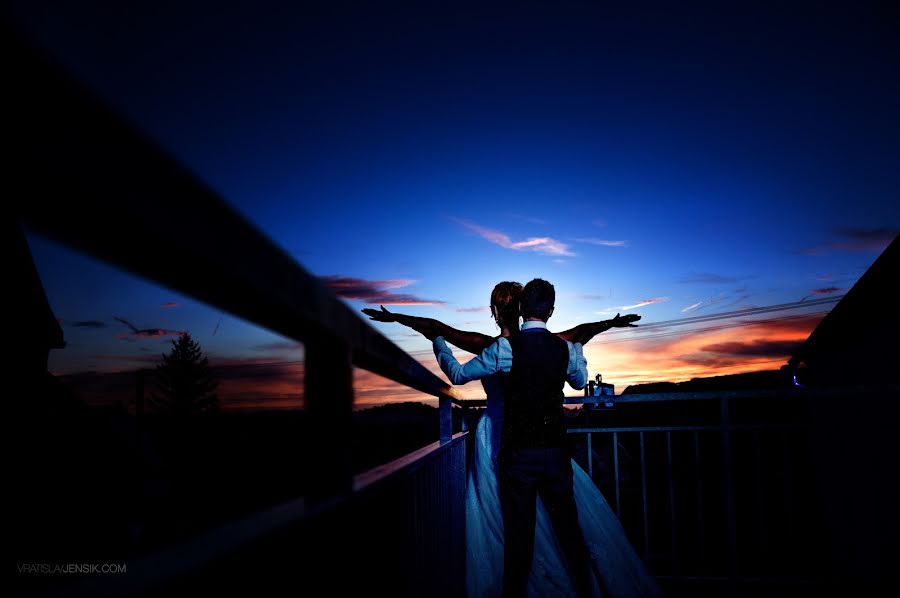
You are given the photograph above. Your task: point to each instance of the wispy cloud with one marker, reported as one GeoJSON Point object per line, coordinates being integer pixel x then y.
{"type": "Point", "coordinates": [826, 291]}
{"type": "Point", "coordinates": [95, 324]}
{"type": "Point", "coordinates": [603, 242]}
{"type": "Point", "coordinates": [543, 245]}
{"type": "Point", "coordinates": [645, 303]}
{"type": "Point", "coordinates": [375, 292]}
{"type": "Point", "coordinates": [473, 309]}
{"type": "Point", "coordinates": [692, 307]}
{"type": "Point", "coordinates": [855, 239]}
{"type": "Point", "coordinates": [147, 332]}
{"type": "Point", "coordinates": [170, 304]}
{"type": "Point", "coordinates": [724, 300]}
{"type": "Point", "coordinates": [823, 292]}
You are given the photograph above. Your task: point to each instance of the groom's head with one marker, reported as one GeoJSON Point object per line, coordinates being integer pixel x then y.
{"type": "Point", "coordinates": [537, 300]}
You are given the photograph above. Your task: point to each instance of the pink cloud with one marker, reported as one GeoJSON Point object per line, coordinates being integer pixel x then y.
{"type": "Point", "coordinates": [645, 303]}
{"type": "Point", "coordinates": [543, 245]}
{"type": "Point", "coordinates": [375, 292]}
{"type": "Point", "coordinates": [826, 291]}
{"type": "Point", "coordinates": [868, 239]}
{"type": "Point", "coordinates": [692, 307]}
{"type": "Point", "coordinates": [146, 332]}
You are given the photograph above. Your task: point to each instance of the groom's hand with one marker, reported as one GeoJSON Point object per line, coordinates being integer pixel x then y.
{"type": "Point", "coordinates": [626, 321]}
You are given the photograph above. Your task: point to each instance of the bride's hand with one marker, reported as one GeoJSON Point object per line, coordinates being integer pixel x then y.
{"type": "Point", "coordinates": [380, 316]}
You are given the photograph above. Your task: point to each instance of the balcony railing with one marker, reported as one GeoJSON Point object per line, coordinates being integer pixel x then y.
{"type": "Point", "coordinates": [86, 179]}
{"type": "Point", "coordinates": [716, 492]}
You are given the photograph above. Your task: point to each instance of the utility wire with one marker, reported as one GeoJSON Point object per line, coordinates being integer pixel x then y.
{"type": "Point", "coordinates": [710, 328]}
{"type": "Point", "coordinates": [729, 314]}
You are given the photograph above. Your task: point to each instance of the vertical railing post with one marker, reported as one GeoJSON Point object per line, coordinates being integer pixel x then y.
{"type": "Point", "coordinates": [701, 528]}
{"type": "Point", "coordinates": [445, 408]}
{"type": "Point", "coordinates": [676, 561]}
{"type": "Point", "coordinates": [139, 407]}
{"type": "Point", "coordinates": [329, 405]}
{"type": "Point", "coordinates": [644, 499]}
{"type": "Point", "coordinates": [730, 505]}
{"type": "Point", "coordinates": [590, 457]}
{"type": "Point", "coordinates": [615, 436]}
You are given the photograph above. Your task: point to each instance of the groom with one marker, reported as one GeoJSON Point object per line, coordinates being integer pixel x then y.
{"type": "Point", "coordinates": [533, 459]}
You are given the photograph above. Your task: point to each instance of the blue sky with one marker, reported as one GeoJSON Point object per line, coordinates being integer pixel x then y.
{"type": "Point", "coordinates": [708, 159]}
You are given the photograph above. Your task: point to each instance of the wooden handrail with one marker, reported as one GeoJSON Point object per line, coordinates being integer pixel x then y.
{"type": "Point", "coordinates": [89, 180]}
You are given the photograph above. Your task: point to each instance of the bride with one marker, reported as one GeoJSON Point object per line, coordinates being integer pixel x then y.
{"type": "Point", "coordinates": [617, 569]}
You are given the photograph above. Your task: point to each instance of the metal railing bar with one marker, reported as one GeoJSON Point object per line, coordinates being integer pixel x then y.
{"type": "Point", "coordinates": [687, 428]}
{"type": "Point", "coordinates": [405, 465]}
{"type": "Point", "coordinates": [671, 482]}
{"type": "Point", "coordinates": [615, 440]}
{"type": "Point", "coordinates": [701, 530]}
{"type": "Point", "coordinates": [788, 491]}
{"type": "Point", "coordinates": [165, 565]}
{"type": "Point", "coordinates": [644, 497]}
{"type": "Point", "coordinates": [728, 476]}
{"type": "Point", "coordinates": [759, 491]}
{"type": "Point", "coordinates": [590, 457]}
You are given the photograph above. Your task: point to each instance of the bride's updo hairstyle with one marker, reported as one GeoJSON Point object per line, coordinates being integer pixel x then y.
{"type": "Point", "coordinates": [505, 297]}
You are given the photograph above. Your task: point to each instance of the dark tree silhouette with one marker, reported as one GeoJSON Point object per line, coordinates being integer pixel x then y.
{"type": "Point", "coordinates": [184, 381]}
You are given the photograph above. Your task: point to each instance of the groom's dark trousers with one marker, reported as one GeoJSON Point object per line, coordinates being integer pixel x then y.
{"type": "Point", "coordinates": [534, 461]}
{"type": "Point", "coordinates": [525, 474]}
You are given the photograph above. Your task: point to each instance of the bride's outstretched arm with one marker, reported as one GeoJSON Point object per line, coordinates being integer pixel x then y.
{"type": "Point", "coordinates": [473, 342]}
{"type": "Point", "coordinates": [585, 332]}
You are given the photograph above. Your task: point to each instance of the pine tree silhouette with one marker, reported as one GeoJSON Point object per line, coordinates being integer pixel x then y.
{"type": "Point", "coordinates": [184, 380]}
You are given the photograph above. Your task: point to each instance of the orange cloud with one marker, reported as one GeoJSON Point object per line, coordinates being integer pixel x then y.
{"type": "Point", "coordinates": [715, 352]}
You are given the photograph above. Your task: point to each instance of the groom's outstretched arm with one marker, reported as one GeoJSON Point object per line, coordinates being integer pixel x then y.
{"type": "Point", "coordinates": [496, 358]}
{"type": "Point", "coordinates": [583, 333]}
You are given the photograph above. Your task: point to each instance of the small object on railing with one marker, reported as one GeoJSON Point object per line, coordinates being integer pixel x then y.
{"type": "Point", "coordinates": [596, 388]}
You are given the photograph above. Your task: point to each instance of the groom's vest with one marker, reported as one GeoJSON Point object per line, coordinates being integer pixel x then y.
{"type": "Point", "coordinates": [533, 414]}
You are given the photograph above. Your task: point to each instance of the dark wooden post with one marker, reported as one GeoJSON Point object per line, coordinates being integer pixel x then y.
{"type": "Point", "coordinates": [445, 407]}
{"type": "Point", "coordinates": [329, 404]}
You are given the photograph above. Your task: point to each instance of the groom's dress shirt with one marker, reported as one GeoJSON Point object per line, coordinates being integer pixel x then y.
{"type": "Point", "coordinates": [498, 358]}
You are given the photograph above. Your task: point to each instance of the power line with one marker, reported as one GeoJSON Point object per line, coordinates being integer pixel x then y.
{"type": "Point", "coordinates": [710, 328]}
{"type": "Point", "coordinates": [730, 314]}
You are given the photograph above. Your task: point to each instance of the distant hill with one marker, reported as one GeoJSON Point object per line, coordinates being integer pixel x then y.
{"type": "Point", "coordinates": [747, 381]}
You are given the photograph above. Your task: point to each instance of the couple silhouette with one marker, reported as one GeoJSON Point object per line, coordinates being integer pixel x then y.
{"type": "Point", "coordinates": [536, 525]}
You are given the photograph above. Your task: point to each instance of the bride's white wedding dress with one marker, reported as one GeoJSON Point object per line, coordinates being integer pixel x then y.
{"type": "Point", "coordinates": [621, 571]}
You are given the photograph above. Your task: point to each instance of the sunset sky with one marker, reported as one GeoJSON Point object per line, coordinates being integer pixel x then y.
{"type": "Point", "coordinates": [674, 162]}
